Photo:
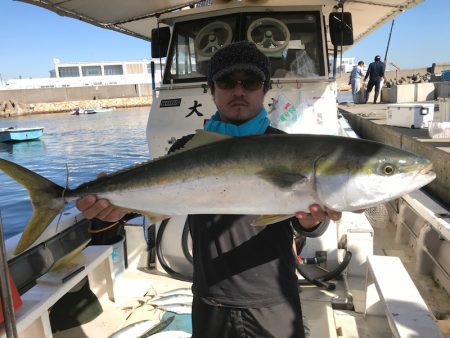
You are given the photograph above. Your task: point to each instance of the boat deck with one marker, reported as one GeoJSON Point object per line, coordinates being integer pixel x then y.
{"type": "Point", "coordinates": [137, 285]}
{"type": "Point", "coordinates": [369, 121]}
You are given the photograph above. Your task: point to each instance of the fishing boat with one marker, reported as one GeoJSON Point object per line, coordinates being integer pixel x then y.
{"type": "Point", "coordinates": [13, 134]}
{"type": "Point", "coordinates": [96, 110]}
{"type": "Point", "coordinates": [388, 268]}
{"type": "Point", "coordinates": [81, 111]}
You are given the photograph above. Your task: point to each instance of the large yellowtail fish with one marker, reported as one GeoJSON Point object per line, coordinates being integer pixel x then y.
{"type": "Point", "coordinates": [260, 175]}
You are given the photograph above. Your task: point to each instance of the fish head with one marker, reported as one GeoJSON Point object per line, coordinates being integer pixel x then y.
{"type": "Point", "coordinates": [367, 174]}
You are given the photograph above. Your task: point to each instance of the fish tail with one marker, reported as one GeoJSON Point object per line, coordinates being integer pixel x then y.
{"type": "Point", "coordinates": [46, 198]}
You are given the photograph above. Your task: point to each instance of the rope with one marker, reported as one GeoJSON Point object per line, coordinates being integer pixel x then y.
{"type": "Point", "coordinates": [96, 231]}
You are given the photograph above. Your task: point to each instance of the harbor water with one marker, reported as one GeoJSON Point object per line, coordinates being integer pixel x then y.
{"type": "Point", "coordinates": [72, 150]}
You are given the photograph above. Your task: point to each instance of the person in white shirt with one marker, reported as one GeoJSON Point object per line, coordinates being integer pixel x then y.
{"type": "Point", "coordinates": [356, 79]}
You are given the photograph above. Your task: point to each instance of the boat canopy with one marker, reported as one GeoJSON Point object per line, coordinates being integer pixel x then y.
{"type": "Point", "coordinates": [139, 17]}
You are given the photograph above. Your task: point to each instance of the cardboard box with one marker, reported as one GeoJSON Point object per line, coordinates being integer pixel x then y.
{"type": "Point", "coordinates": [410, 115]}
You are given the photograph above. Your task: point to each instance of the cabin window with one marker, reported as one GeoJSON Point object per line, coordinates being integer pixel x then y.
{"type": "Point", "coordinates": [292, 41]}
{"type": "Point", "coordinates": [193, 44]}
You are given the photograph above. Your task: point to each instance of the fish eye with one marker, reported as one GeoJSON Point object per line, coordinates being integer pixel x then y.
{"type": "Point", "coordinates": [388, 169]}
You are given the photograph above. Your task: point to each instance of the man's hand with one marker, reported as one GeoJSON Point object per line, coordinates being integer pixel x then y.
{"type": "Point", "coordinates": [99, 208]}
{"type": "Point", "coordinates": [316, 215]}
{"type": "Point", "coordinates": [91, 207]}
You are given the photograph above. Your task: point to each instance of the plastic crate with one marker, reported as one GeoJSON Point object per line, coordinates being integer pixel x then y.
{"type": "Point", "coordinates": [445, 75]}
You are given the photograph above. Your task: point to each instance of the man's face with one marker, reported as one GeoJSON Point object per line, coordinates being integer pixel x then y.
{"type": "Point", "coordinates": [238, 102]}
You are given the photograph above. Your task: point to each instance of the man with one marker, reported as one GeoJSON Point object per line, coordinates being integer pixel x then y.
{"type": "Point", "coordinates": [355, 80]}
{"type": "Point", "coordinates": [244, 281]}
{"type": "Point", "coordinates": [376, 73]}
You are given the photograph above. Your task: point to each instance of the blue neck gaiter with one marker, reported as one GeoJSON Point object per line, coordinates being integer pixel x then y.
{"type": "Point", "coordinates": [255, 126]}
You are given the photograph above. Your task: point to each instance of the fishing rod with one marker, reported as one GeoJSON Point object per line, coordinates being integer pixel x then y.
{"type": "Point", "coordinates": [389, 41]}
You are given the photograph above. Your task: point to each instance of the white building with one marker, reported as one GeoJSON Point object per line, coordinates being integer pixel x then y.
{"type": "Point", "coordinates": [345, 66]}
{"type": "Point", "coordinates": [102, 73]}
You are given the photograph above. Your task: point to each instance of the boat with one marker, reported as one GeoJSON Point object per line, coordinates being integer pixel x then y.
{"type": "Point", "coordinates": [96, 110]}
{"type": "Point", "coordinates": [13, 134]}
{"type": "Point", "coordinates": [80, 111]}
{"type": "Point", "coordinates": [397, 281]}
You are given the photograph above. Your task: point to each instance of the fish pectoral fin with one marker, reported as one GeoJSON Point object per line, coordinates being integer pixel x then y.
{"type": "Point", "coordinates": [283, 179]}
{"type": "Point", "coordinates": [203, 137]}
{"type": "Point", "coordinates": [154, 217]}
{"type": "Point", "coordinates": [264, 220]}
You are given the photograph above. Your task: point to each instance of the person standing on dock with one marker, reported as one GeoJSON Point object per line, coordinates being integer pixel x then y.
{"type": "Point", "coordinates": [355, 80]}
{"type": "Point", "coordinates": [244, 282]}
{"type": "Point", "coordinates": [375, 73]}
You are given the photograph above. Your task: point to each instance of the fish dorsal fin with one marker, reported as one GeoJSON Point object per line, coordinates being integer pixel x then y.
{"type": "Point", "coordinates": [200, 138]}
{"type": "Point", "coordinates": [203, 137]}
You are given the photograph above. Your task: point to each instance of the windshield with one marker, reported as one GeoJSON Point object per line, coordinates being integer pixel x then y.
{"type": "Point", "coordinates": [291, 40]}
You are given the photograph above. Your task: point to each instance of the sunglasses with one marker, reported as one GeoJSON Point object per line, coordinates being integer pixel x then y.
{"type": "Point", "coordinates": [247, 84]}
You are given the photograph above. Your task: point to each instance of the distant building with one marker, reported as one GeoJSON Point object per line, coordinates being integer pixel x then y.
{"type": "Point", "coordinates": [81, 74]}
{"type": "Point", "coordinates": [345, 66]}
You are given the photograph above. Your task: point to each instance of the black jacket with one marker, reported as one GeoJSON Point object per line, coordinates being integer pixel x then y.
{"type": "Point", "coordinates": [375, 71]}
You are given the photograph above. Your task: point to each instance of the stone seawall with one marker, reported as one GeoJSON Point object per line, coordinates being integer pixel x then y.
{"type": "Point", "coordinates": [11, 108]}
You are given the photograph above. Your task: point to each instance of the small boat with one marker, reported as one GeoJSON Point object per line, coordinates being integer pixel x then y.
{"type": "Point", "coordinates": [79, 111]}
{"type": "Point", "coordinates": [101, 109]}
{"type": "Point", "coordinates": [13, 134]}
{"type": "Point", "coordinates": [96, 110]}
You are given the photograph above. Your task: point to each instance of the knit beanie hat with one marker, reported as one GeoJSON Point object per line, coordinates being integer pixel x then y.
{"type": "Point", "coordinates": [239, 56]}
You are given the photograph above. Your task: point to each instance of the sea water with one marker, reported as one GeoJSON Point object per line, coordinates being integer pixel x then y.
{"type": "Point", "coordinates": [72, 150]}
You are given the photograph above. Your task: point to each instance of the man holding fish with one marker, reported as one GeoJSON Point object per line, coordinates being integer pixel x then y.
{"type": "Point", "coordinates": [245, 283]}
{"type": "Point", "coordinates": [237, 173]}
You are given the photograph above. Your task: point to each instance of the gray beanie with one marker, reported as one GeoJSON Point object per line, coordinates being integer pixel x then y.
{"type": "Point", "coordinates": [239, 56]}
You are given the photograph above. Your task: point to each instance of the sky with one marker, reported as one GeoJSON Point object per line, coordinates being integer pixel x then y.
{"type": "Point", "coordinates": [31, 37]}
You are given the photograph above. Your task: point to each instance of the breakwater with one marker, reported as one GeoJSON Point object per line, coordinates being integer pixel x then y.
{"type": "Point", "coordinates": [12, 108]}
{"type": "Point", "coordinates": [18, 102]}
